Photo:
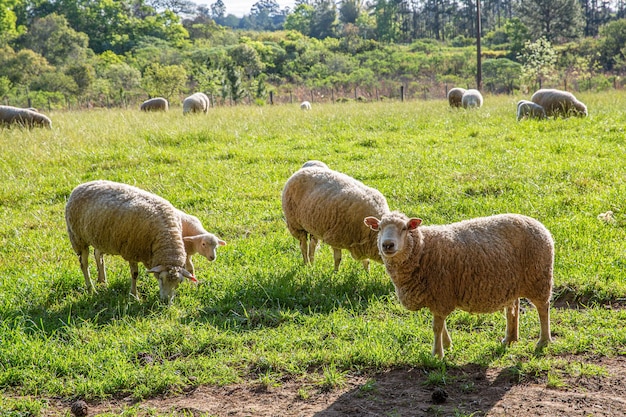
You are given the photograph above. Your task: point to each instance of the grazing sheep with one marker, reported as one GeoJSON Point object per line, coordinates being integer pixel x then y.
{"type": "Point", "coordinates": [197, 240]}
{"type": "Point", "coordinates": [305, 105]}
{"type": "Point", "coordinates": [479, 265]}
{"type": "Point", "coordinates": [559, 103]}
{"type": "Point", "coordinates": [528, 109]}
{"type": "Point", "coordinates": [10, 115]}
{"type": "Point", "coordinates": [196, 103]}
{"type": "Point", "coordinates": [472, 99]}
{"type": "Point", "coordinates": [120, 219]}
{"type": "Point", "coordinates": [155, 104]}
{"type": "Point", "coordinates": [455, 96]}
{"type": "Point", "coordinates": [322, 204]}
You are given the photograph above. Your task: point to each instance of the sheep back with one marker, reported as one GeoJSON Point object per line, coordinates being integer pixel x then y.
{"type": "Point", "coordinates": [120, 219]}
{"type": "Point", "coordinates": [196, 103]}
{"type": "Point", "coordinates": [331, 206]}
{"type": "Point", "coordinates": [155, 104]}
{"type": "Point", "coordinates": [472, 99]}
{"type": "Point", "coordinates": [10, 115]}
{"type": "Point", "coordinates": [559, 103]}
{"type": "Point", "coordinates": [305, 105]}
{"type": "Point", "coordinates": [455, 96]}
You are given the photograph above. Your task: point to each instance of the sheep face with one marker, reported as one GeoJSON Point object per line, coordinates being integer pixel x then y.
{"type": "Point", "coordinates": [169, 278]}
{"type": "Point", "coordinates": [392, 231]}
{"type": "Point", "coordinates": [205, 244]}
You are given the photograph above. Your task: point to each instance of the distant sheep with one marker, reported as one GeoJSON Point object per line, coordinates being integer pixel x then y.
{"type": "Point", "coordinates": [455, 96]}
{"type": "Point", "coordinates": [472, 99]}
{"type": "Point", "coordinates": [480, 266]}
{"type": "Point", "coordinates": [197, 240]}
{"type": "Point", "coordinates": [196, 103]}
{"type": "Point", "coordinates": [559, 103]}
{"type": "Point", "coordinates": [10, 116]}
{"type": "Point", "coordinates": [155, 104]}
{"type": "Point", "coordinates": [305, 105]}
{"type": "Point", "coordinates": [322, 204]}
{"type": "Point", "coordinates": [529, 110]}
{"type": "Point", "coordinates": [120, 219]}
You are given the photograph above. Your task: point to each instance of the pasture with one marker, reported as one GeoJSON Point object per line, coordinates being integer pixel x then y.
{"type": "Point", "coordinates": [258, 316]}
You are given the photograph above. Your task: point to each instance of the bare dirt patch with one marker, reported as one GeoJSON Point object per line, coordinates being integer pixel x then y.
{"type": "Point", "coordinates": [401, 392]}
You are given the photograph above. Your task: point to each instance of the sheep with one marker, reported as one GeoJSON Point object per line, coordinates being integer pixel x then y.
{"type": "Point", "coordinates": [197, 240]}
{"type": "Point", "coordinates": [305, 105]}
{"type": "Point", "coordinates": [472, 99]}
{"type": "Point", "coordinates": [559, 103]}
{"type": "Point", "coordinates": [119, 219]}
{"type": "Point", "coordinates": [10, 115]}
{"type": "Point", "coordinates": [322, 204]}
{"type": "Point", "coordinates": [455, 96]}
{"type": "Point", "coordinates": [155, 104]}
{"type": "Point", "coordinates": [196, 103]}
{"type": "Point", "coordinates": [479, 265]}
{"type": "Point", "coordinates": [530, 110]}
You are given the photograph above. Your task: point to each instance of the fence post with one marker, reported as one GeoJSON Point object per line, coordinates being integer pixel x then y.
{"type": "Point", "coordinates": [401, 93]}
{"type": "Point", "coordinates": [271, 97]}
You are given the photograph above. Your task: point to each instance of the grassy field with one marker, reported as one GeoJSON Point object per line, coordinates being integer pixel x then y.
{"type": "Point", "coordinates": [258, 314]}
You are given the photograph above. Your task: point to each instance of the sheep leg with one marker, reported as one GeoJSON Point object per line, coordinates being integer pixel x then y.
{"type": "Point", "coordinates": [134, 273]}
{"type": "Point", "coordinates": [312, 247]}
{"type": "Point", "coordinates": [337, 257]}
{"type": "Point", "coordinates": [543, 308]}
{"type": "Point", "coordinates": [439, 324]}
{"type": "Point", "coordinates": [512, 323]}
{"type": "Point", "coordinates": [366, 264]}
{"type": "Point", "coordinates": [102, 276]}
{"type": "Point", "coordinates": [83, 257]}
{"type": "Point", "coordinates": [189, 265]}
{"type": "Point", "coordinates": [303, 237]}
{"type": "Point", "coordinates": [447, 341]}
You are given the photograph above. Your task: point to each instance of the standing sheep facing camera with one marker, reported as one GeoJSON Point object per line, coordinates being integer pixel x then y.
{"type": "Point", "coordinates": [322, 204]}
{"type": "Point", "coordinates": [472, 99]}
{"type": "Point", "coordinates": [559, 103]}
{"type": "Point", "coordinates": [155, 104]}
{"type": "Point", "coordinates": [196, 103]}
{"type": "Point", "coordinates": [10, 115]}
{"type": "Point", "coordinates": [455, 96]}
{"type": "Point", "coordinates": [119, 219]}
{"type": "Point", "coordinates": [197, 240]}
{"type": "Point", "coordinates": [528, 109]}
{"type": "Point", "coordinates": [480, 266]}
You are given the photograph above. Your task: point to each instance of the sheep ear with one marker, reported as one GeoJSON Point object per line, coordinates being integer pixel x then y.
{"type": "Point", "coordinates": [372, 222]}
{"type": "Point", "coordinates": [188, 274]}
{"type": "Point", "coordinates": [157, 269]}
{"type": "Point", "coordinates": [413, 223]}
{"type": "Point", "coordinates": [221, 243]}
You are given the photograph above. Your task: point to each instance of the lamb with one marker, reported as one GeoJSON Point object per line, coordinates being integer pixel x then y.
{"type": "Point", "coordinates": [305, 105]}
{"type": "Point", "coordinates": [472, 99]}
{"type": "Point", "coordinates": [119, 219]}
{"type": "Point", "coordinates": [559, 103]}
{"type": "Point", "coordinates": [155, 104]}
{"type": "Point", "coordinates": [455, 96]}
{"type": "Point", "coordinates": [197, 240]}
{"type": "Point", "coordinates": [196, 103]}
{"type": "Point", "coordinates": [479, 265]}
{"type": "Point", "coordinates": [322, 204]}
{"type": "Point", "coordinates": [530, 110]}
{"type": "Point", "coordinates": [10, 115]}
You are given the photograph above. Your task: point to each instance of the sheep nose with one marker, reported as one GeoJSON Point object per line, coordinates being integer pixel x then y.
{"type": "Point", "coordinates": [388, 246]}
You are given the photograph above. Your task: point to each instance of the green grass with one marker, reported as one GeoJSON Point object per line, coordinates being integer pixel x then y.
{"type": "Point", "coordinates": [258, 314]}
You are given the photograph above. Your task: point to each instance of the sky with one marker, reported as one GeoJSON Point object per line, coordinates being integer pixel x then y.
{"type": "Point", "coordinates": [241, 7]}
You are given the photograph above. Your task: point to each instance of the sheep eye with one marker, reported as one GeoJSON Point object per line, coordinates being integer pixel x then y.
{"type": "Point", "coordinates": [404, 228]}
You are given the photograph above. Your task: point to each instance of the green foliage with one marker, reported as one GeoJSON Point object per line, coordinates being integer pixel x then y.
{"type": "Point", "coordinates": [612, 47]}
{"type": "Point", "coordinates": [538, 63]}
{"type": "Point", "coordinates": [555, 20]}
{"type": "Point", "coordinates": [165, 81]}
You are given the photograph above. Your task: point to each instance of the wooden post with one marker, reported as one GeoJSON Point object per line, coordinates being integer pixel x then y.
{"type": "Point", "coordinates": [271, 97]}
{"type": "Point", "coordinates": [401, 93]}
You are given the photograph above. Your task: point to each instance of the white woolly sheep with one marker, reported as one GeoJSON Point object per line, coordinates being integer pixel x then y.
{"type": "Point", "coordinates": [10, 115]}
{"type": "Point", "coordinates": [155, 104]}
{"type": "Point", "coordinates": [305, 105]}
{"type": "Point", "coordinates": [455, 96]}
{"type": "Point", "coordinates": [197, 240]}
{"type": "Point", "coordinates": [528, 109]}
{"type": "Point", "coordinates": [559, 103]}
{"type": "Point", "coordinates": [472, 99]}
{"type": "Point", "coordinates": [322, 204]}
{"type": "Point", "coordinates": [119, 219]}
{"type": "Point", "coordinates": [480, 266]}
{"type": "Point", "coordinates": [196, 103]}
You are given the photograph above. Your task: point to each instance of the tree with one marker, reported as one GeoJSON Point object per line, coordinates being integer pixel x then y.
{"type": "Point", "coordinates": [218, 10]}
{"type": "Point", "coordinates": [612, 44]}
{"type": "Point", "coordinates": [349, 10]}
{"type": "Point", "coordinates": [300, 19]}
{"type": "Point", "coordinates": [166, 81]}
{"type": "Point", "coordinates": [324, 19]}
{"type": "Point", "coordinates": [501, 75]}
{"type": "Point", "coordinates": [83, 75]}
{"type": "Point", "coordinates": [263, 13]}
{"type": "Point", "coordinates": [538, 62]}
{"type": "Point", "coordinates": [24, 66]}
{"type": "Point", "coordinates": [8, 21]}
{"type": "Point", "coordinates": [387, 26]}
{"type": "Point", "coordinates": [555, 20]}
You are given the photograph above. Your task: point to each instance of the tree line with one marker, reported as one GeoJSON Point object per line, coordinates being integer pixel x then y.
{"type": "Point", "coordinates": [105, 52]}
